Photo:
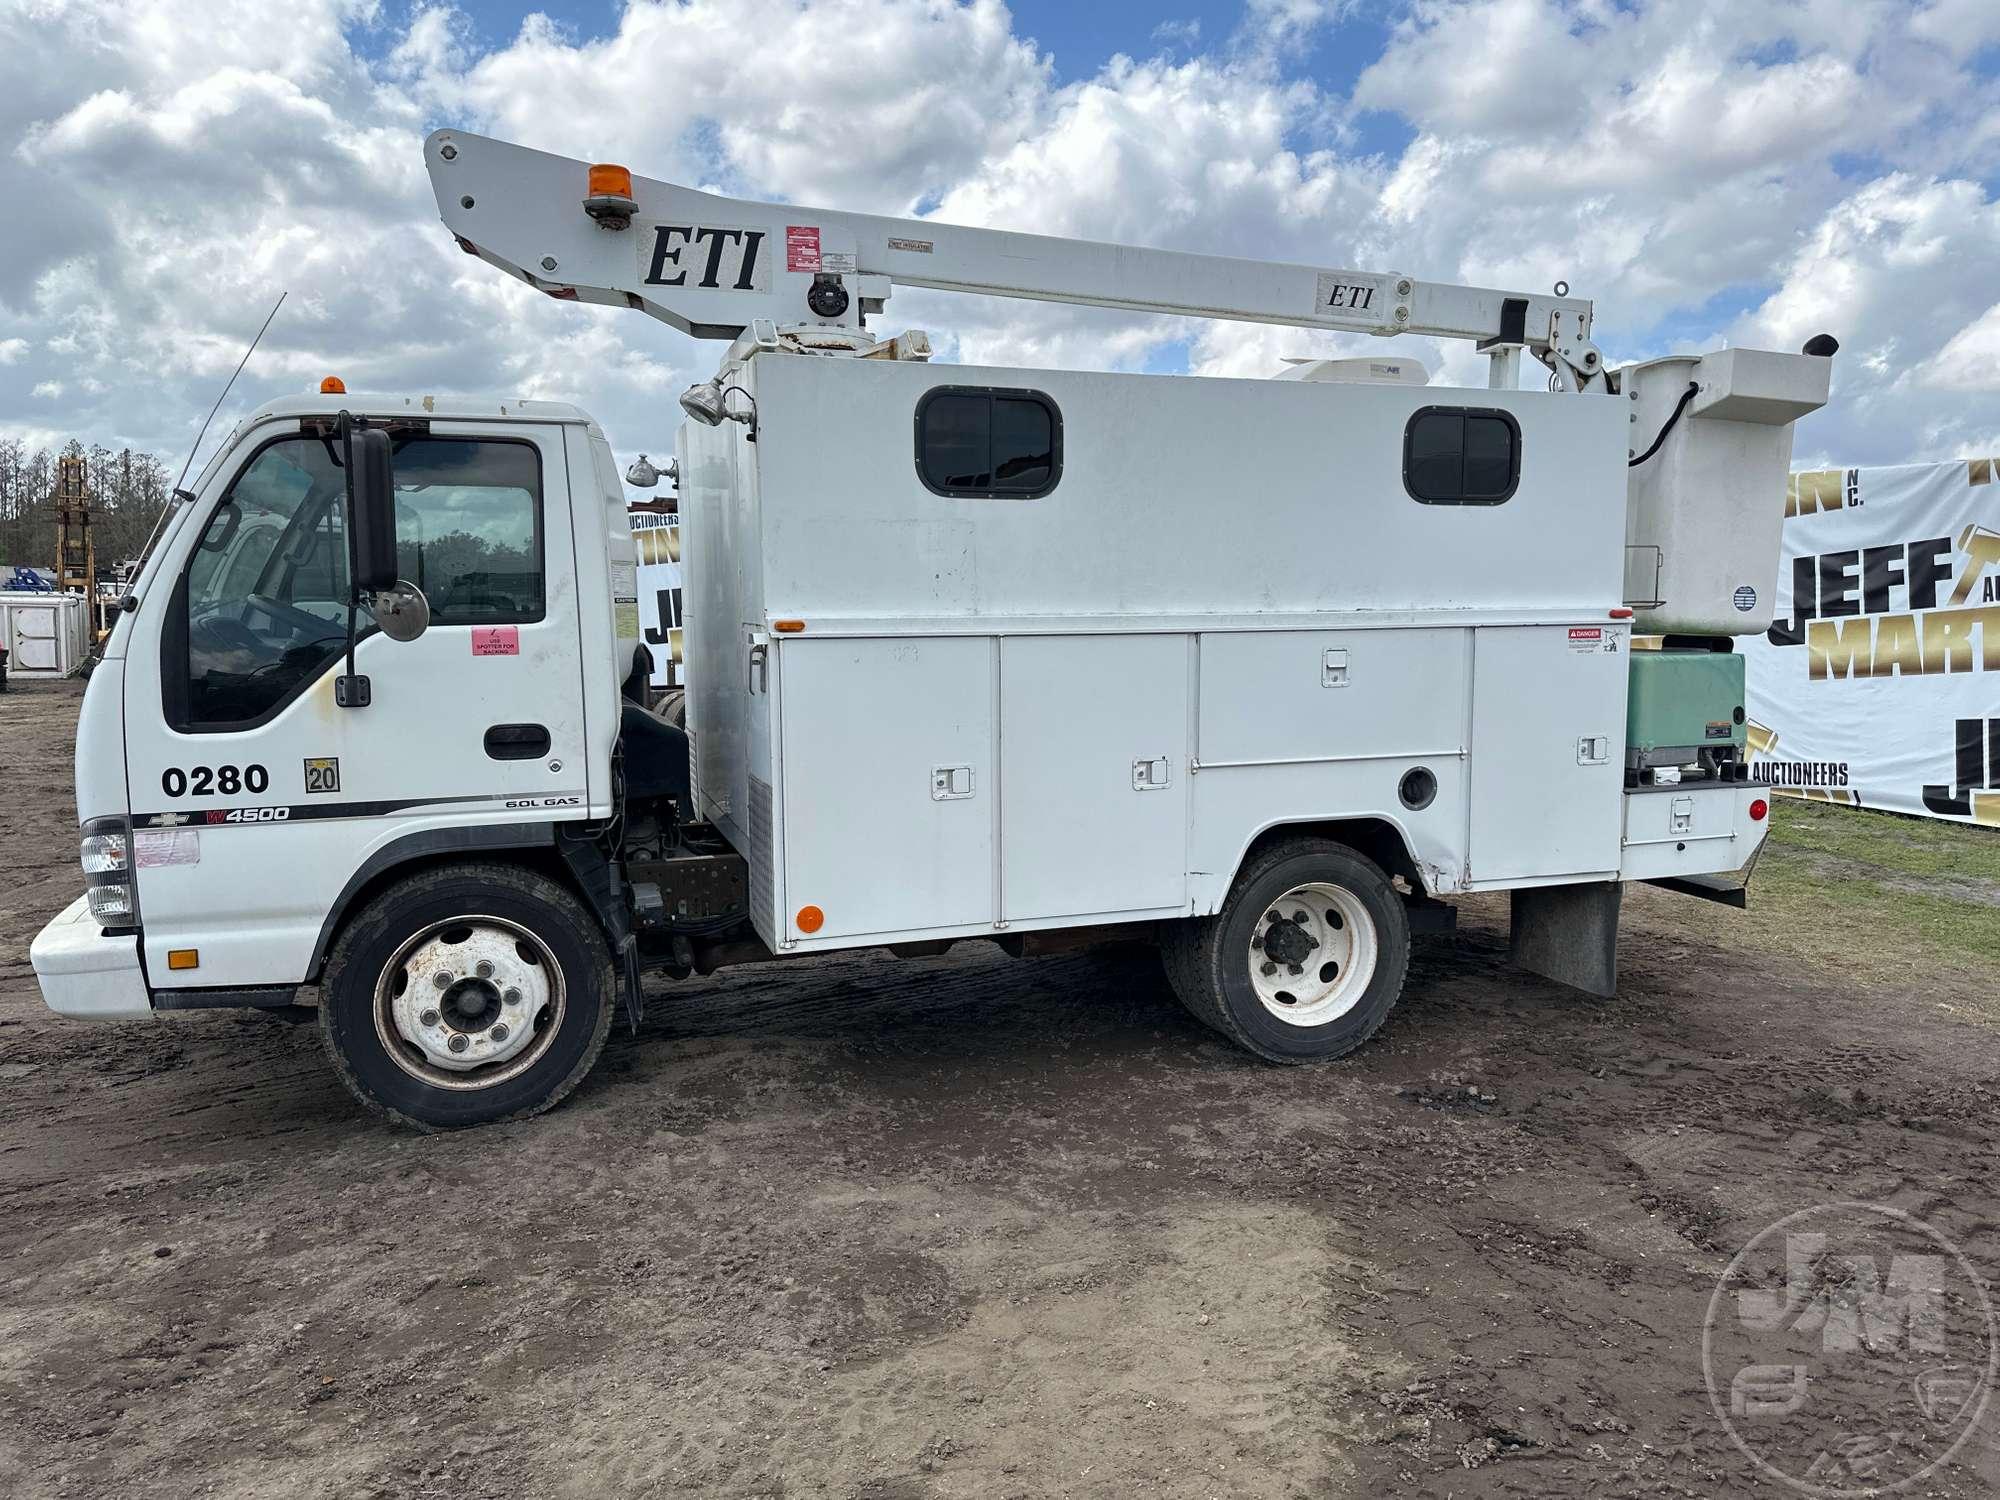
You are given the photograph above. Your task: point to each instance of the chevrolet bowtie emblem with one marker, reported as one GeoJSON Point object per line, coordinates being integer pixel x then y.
{"type": "Point", "coordinates": [170, 820]}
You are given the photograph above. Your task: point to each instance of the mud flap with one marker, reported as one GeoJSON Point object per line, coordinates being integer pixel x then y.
{"type": "Point", "coordinates": [1569, 933]}
{"type": "Point", "coordinates": [604, 887]}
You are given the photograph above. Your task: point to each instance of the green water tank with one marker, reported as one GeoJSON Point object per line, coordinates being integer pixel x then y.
{"type": "Point", "coordinates": [1681, 703]}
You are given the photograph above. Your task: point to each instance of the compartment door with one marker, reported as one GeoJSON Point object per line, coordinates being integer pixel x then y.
{"type": "Point", "coordinates": [888, 787]}
{"type": "Point", "coordinates": [1548, 751]}
{"type": "Point", "coordinates": [1094, 775]}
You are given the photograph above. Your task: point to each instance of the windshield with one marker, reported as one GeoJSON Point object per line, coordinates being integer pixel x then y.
{"type": "Point", "coordinates": [267, 592]}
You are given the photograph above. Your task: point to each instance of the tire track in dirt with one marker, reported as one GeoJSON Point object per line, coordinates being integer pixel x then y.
{"type": "Point", "coordinates": [951, 1226]}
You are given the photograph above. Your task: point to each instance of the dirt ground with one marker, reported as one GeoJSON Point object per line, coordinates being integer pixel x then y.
{"type": "Point", "coordinates": [953, 1227]}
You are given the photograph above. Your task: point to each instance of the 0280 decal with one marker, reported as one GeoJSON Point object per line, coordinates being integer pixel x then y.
{"type": "Point", "coordinates": [214, 781]}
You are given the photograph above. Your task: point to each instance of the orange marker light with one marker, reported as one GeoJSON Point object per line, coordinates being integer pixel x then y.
{"type": "Point", "coordinates": [1621, 614]}
{"type": "Point", "coordinates": [333, 385]}
{"type": "Point", "coordinates": [810, 919]}
{"type": "Point", "coordinates": [184, 958]}
{"type": "Point", "coordinates": [609, 181]}
{"type": "Point", "coordinates": [610, 200]}
{"type": "Point", "coordinates": [788, 627]}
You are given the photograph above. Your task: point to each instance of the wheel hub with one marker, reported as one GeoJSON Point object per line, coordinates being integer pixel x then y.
{"type": "Point", "coordinates": [470, 1006]}
{"type": "Point", "coordinates": [472, 994]}
{"type": "Point", "coordinates": [1288, 942]}
{"type": "Point", "coordinates": [1312, 957]}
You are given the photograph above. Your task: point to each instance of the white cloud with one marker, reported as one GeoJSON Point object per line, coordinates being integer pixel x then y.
{"type": "Point", "coordinates": [1809, 163]}
{"type": "Point", "coordinates": [1971, 361]}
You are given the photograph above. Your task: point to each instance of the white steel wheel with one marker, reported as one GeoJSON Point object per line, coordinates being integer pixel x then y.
{"type": "Point", "coordinates": [469, 1002]}
{"type": "Point", "coordinates": [1312, 955]}
{"type": "Point", "coordinates": [465, 994]}
{"type": "Point", "coordinates": [1306, 957]}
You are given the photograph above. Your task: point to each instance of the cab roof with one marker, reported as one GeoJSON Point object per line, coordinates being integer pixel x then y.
{"type": "Point", "coordinates": [437, 408]}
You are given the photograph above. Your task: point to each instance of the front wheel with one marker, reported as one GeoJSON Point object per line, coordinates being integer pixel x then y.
{"type": "Point", "coordinates": [467, 994]}
{"type": "Point", "coordinates": [1306, 957]}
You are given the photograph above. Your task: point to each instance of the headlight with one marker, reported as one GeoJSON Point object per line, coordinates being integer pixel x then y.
{"type": "Point", "coordinates": [106, 855]}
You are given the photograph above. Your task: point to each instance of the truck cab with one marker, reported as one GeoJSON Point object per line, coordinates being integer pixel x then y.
{"type": "Point", "coordinates": [231, 806]}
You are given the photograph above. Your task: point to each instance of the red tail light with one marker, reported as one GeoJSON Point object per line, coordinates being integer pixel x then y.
{"type": "Point", "coordinates": [1759, 810]}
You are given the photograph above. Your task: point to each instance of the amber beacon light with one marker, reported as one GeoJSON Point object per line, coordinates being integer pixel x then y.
{"type": "Point", "coordinates": [608, 197]}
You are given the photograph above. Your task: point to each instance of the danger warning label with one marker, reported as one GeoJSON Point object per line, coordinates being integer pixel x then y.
{"type": "Point", "coordinates": [1586, 638]}
{"type": "Point", "coordinates": [802, 247]}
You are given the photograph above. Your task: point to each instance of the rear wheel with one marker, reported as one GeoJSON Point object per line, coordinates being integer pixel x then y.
{"type": "Point", "coordinates": [1306, 957]}
{"type": "Point", "coordinates": [465, 995]}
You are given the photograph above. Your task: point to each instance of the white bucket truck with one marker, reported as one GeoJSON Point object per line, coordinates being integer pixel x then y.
{"type": "Point", "coordinates": [1260, 667]}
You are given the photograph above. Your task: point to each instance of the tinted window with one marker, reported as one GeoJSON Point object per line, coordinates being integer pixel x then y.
{"type": "Point", "coordinates": [265, 606]}
{"type": "Point", "coordinates": [468, 528]}
{"type": "Point", "coordinates": [989, 443]}
{"type": "Point", "coordinates": [1461, 456]}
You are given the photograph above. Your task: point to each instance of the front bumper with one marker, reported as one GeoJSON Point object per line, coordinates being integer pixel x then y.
{"type": "Point", "coordinates": [87, 973]}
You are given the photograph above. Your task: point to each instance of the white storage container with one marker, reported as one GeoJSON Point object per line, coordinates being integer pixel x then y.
{"type": "Point", "coordinates": [45, 635]}
{"type": "Point", "coordinates": [1702, 514]}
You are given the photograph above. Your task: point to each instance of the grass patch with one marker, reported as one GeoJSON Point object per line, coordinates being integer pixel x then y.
{"type": "Point", "coordinates": [1915, 846]}
{"type": "Point", "coordinates": [1901, 904]}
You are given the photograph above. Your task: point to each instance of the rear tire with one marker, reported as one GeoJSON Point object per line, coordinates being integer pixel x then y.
{"type": "Point", "coordinates": [1306, 958]}
{"type": "Point", "coordinates": [465, 995]}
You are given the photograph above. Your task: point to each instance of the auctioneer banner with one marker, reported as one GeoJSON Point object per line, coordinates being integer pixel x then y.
{"type": "Point", "coordinates": [657, 536]}
{"type": "Point", "coordinates": [1879, 683]}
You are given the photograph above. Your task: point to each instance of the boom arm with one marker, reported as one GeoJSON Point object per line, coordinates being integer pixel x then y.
{"type": "Point", "coordinates": [710, 265]}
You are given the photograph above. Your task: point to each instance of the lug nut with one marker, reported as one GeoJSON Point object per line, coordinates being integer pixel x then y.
{"type": "Point", "coordinates": [1270, 968]}
{"type": "Point", "coordinates": [512, 997]}
{"type": "Point", "coordinates": [1299, 917]}
{"type": "Point", "coordinates": [430, 1018]}
{"type": "Point", "coordinates": [500, 1031]}
{"type": "Point", "coordinates": [1296, 969]}
{"type": "Point", "coordinates": [459, 1042]}
{"type": "Point", "coordinates": [483, 969]}
{"type": "Point", "coordinates": [442, 981]}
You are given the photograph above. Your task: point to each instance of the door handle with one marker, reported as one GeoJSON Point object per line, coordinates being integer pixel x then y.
{"type": "Point", "coordinates": [517, 741]}
{"type": "Point", "coordinates": [758, 677]}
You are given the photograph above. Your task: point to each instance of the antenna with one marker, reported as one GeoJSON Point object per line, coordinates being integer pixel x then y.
{"type": "Point", "coordinates": [130, 601]}
{"type": "Point", "coordinates": [226, 390]}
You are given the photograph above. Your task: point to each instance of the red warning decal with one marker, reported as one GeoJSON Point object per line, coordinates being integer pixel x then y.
{"type": "Point", "coordinates": [801, 247]}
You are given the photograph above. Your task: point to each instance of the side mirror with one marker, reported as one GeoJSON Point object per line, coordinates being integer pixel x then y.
{"type": "Point", "coordinates": [371, 509]}
{"type": "Point", "coordinates": [402, 612]}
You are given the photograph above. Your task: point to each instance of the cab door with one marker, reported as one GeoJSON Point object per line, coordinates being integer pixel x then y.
{"type": "Point", "coordinates": [255, 797]}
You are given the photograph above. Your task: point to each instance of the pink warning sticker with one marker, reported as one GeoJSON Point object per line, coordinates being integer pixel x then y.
{"type": "Point", "coordinates": [801, 247]}
{"type": "Point", "coordinates": [496, 640]}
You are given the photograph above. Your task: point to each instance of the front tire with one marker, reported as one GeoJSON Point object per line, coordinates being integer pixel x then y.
{"type": "Point", "coordinates": [1306, 958]}
{"type": "Point", "coordinates": [465, 995]}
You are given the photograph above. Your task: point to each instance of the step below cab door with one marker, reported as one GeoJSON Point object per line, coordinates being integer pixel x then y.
{"type": "Point", "coordinates": [256, 798]}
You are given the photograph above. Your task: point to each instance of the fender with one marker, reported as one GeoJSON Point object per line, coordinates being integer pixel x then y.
{"type": "Point", "coordinates": [413, 847]}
